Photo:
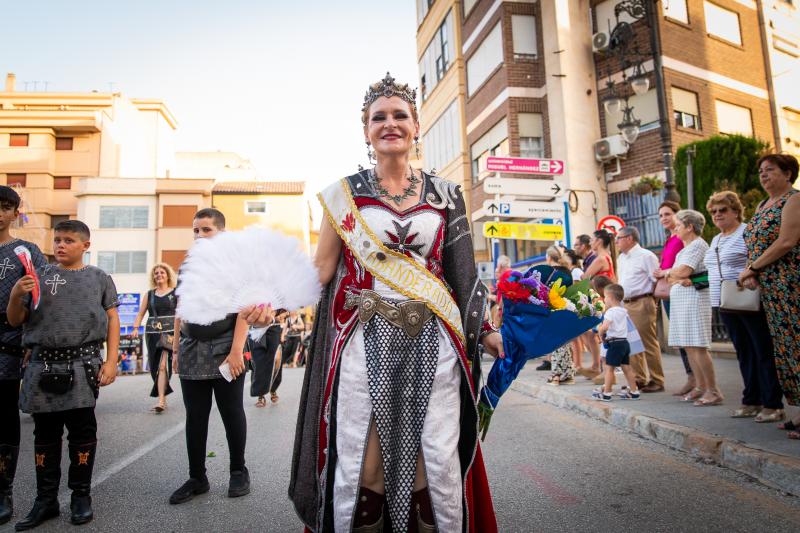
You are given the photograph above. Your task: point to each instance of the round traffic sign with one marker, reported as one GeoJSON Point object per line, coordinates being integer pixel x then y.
{"type": "Point", "coordinates": [611, 223]}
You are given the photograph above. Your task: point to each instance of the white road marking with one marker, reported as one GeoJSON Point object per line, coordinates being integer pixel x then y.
{"type": "Point", "coordinates": [129, 459]}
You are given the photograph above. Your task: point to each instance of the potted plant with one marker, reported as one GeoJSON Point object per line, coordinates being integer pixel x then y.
{"type": "Point", "coordinates": [647, 185]}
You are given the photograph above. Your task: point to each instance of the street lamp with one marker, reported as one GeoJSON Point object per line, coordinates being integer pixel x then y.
{"type": "Point", "coordinates": [630, 125]}
{"type": "Point", "coordinates": [612, 102]}
{"type": "Point", "coordinates": [640, 82]}
{"type": "Point", "coordinates": [623, 45]}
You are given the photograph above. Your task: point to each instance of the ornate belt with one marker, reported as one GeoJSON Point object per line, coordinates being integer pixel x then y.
{"type": "Point", "coordinates": [57, 355]}
{"type": "Point", "coordinates": [410, 315]}
{"type": "Point", "coordinates": [12, 349]}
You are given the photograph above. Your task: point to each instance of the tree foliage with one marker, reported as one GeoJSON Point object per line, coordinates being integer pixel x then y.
{"type": "Point", "coordinates": [722, 162]}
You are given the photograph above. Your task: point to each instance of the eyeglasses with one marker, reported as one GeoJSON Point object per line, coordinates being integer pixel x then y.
{"type": "Point", "coordinates": [620, 237]}
{"type": "Point", "coordinates": [721, 211]}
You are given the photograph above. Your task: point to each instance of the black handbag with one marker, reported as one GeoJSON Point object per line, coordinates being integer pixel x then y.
{"type": "Point", "coordinates": [56, 381]}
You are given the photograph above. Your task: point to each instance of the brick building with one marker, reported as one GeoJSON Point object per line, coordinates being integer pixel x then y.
{"type": "Point", "coordinates": [529, 80]}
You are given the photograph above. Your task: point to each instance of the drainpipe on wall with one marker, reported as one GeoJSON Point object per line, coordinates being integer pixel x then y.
{"type": "Point", "coordinates": [661, 93]}
{"type": "Point", "coordinates": [773, 104]}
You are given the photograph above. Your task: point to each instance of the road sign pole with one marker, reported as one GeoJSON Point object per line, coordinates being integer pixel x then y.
{"type": "Point", "coordinates": [496, 242]}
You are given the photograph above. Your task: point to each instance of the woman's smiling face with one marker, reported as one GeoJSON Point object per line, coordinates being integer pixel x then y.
{"type": "Point", "coordinates": [391, 127]}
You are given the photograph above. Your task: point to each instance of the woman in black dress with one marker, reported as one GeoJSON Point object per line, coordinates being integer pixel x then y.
{"type": "Point", "coordinates": [265, 377]}
{"type": "Point", "coordinates": [294, 329]}
{"type": "Point", "coordinates": [159, 304]}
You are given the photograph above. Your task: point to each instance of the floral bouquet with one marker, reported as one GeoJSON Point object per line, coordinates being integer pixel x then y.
{"type": "Point", "coordinates": [542, 310]}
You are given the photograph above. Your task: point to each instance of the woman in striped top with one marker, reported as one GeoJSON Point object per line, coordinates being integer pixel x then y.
{"type": "Point", "coordinates": [725, 259]}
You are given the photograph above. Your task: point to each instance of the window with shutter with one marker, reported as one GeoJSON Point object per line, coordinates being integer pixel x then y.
{"type": "Point", "coordinates": [124, 217]}
{"type": "Point", "coordinates": [16, 179]}
{"type": "Point", "coordinates": [64, 143]}
{"type": "Point", "coordinates": [685, 108]}
{"type": "Point", "coordinates": [18, 139]}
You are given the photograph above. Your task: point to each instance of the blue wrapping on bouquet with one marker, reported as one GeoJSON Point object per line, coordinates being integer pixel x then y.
{"type": "Point", "coordinates": [529, 331]}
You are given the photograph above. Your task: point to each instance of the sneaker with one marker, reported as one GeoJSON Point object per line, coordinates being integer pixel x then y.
{"type": "Point", "coordinates": [239, 484]}
{"type": "Point", "coordinates": [189, 490]}
{"type": "Point", "coordinates": [544, 366]}
{"type": "Point", "coordinates": [601, 396]}
{"type": "Point", "coordinates": [629, 395]}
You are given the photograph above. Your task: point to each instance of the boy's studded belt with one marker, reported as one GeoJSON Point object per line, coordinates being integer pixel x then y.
{"type": "Point", "coordinates": [70, 353]}
{"type": "Point", "coordinates": [409, 315]}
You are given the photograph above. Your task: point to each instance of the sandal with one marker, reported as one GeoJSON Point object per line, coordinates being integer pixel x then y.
{"type": "Point", "coordinates": [746, 411]}
{"type": "Point", "coordinates": [683, 391]}
{"type": "Point", "coordinates": [789, 425]}
{"type": "Point", "coordinates": [794, 435]}
{"type": "Point", "coordinates": [715, 399]}
{"type": "Point", "coordinates": [158, 409]}
{"type": "Point", "coordinates": [694, 395]}
{"type": "Point", "coordinates": [775, 416]}
{"type": "Point", "coordinates": [273, 397]}
{"type": "Point", "coordinates": [262, 402]}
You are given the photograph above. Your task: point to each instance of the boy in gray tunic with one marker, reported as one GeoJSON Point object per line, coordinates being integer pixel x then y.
{"type": "Point", "coordinates": [76, 314]}
{"type": "Point", "coordinates": [198, 352]}
{"type": "Point", "coordinates": [11, 351]}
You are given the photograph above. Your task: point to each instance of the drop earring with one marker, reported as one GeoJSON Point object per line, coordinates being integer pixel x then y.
{"type": "Point", "coordinates": [416, 146]}
{"type": "Point", "coordinates": [370, 154]}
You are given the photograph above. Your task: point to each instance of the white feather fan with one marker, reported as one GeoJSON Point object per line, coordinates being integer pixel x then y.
{"type": "Point", "coordinates": [234, 269]}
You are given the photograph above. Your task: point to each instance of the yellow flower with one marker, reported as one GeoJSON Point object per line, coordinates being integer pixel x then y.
{"type": "Point", "coordinates": [556, 294]}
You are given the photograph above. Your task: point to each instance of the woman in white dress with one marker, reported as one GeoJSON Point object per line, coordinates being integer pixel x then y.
{"type": "Point", "coordinates": [690, 308]}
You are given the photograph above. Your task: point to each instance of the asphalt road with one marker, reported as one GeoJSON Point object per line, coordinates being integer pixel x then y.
{"type": "Point", "coordinates": [550, 470]}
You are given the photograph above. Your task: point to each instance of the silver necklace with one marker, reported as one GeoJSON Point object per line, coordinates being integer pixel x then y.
{"type": "Point", "coordinates": [409, 191]}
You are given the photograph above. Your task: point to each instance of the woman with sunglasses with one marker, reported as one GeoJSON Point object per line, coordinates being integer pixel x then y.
{"type": "Point", "coordinates": [725, 259]}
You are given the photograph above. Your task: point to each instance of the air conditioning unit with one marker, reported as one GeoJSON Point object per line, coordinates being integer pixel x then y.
{"type": "Point", "coordinates": [610, 147]}
{"type": "Point", "coordinates": [600, 42]}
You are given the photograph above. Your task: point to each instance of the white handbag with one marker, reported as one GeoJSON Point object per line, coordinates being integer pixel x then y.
{"type": "Point", "coordinates": [734, 298]}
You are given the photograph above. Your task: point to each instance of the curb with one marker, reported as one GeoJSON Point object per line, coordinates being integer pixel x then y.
{"type": "Point", "coordinates": [772, 469]}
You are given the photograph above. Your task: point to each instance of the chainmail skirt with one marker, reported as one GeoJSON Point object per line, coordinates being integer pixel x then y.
{"type": "Point", "coordinates": [410, 387]}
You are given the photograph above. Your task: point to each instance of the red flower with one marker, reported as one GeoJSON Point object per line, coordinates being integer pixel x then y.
{"type": "Point", "coordinates": [349, 223]}
{"type": "Point", "coordinates": [513, 290]}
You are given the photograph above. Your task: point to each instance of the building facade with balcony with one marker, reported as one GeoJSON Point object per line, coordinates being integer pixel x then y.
{"type": "Point", "coordinates": [719, 77]}
{"type": "Point", "coordinates": [441, 92]}
{"type": "Point", "coordinates": [527, 92]}
{"type": "Point", "coordinates": [137, 222]}
{"type": "Point", "coordinates": [49, 141]}
{"type": "Point", "coordinates": [536, 74]}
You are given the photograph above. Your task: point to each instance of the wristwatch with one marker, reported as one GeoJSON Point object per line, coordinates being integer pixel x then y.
{"type": "Point", "coordinates": [751, 268]}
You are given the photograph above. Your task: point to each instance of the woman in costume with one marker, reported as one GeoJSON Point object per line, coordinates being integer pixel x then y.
{"type": "Point", "coordinates": [388, 416]}
{"type": "Point", "coordinates": [159, 304]}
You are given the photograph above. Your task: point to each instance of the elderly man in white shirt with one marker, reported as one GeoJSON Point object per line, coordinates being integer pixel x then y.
{"type": "Point", "coordinates": [635, 267]}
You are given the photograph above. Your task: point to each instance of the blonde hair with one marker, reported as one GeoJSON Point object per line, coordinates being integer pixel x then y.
{"type": "Point", "coordinates": [729, 199]}
{"type": "Point", "coordinates": [172, 279]}
{"type": "Point", "coordinates": [554, 254]}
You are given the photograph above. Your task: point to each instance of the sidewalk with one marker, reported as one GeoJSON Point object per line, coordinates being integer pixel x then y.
{"type": "Point", "coordinates": [709, 433]}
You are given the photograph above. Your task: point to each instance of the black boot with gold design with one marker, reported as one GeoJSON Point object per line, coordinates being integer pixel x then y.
{"type": "Point", "coordinates": [8, 467]}
{"type": "Point", "coordinates": [81, 463]}
{"type": "Point", "coordinates": [48, 476]}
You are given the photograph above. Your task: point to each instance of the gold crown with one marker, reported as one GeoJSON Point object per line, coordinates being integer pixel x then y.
{"type": "Point", "coordinates": [388, 88]}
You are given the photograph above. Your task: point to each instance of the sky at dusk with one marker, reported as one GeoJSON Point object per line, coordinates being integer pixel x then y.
{"type": "Point", "coordinates": [278, 82]}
